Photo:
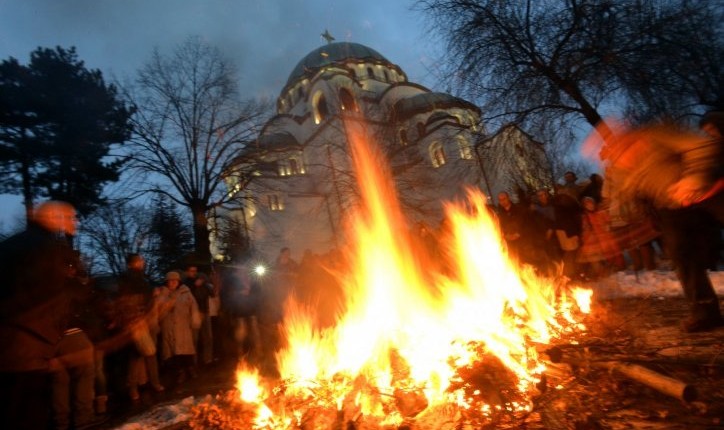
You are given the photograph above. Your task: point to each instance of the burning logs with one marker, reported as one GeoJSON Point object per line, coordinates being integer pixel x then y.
{"type": "Point", "coordinates": [662, 383]}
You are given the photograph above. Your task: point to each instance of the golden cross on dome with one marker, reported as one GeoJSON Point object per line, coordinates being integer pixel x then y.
{"type": "Point", "coordinates": [328, 37]}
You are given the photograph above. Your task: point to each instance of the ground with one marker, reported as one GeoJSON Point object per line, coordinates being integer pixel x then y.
{"type": "Point", "coordinates": [638, 330]}
{"type": "Point", "coordinates": [643, 331]}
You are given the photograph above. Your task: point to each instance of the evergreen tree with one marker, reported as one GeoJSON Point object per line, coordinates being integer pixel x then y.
{"type": "Point", "coordinates": [58, 122]}
{"type": "Point", "coordinates": [234, 240]}
{"type": "Point", "coordinates": [171, 239]}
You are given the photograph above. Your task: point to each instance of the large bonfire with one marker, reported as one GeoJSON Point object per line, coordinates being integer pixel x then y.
{"type": "Point", "coordinates": [420, 345]}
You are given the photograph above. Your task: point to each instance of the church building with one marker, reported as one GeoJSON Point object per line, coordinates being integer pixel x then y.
{"type": "Point", "coordinates": [303, 183]}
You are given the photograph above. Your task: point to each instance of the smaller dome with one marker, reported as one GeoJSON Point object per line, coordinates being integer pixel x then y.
{"type": "Point", "coordinates": [279, 141]}
{"type": "Point", "coordinates": [425, 102]}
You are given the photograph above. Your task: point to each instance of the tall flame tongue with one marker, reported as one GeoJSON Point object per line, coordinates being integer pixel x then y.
{"type": "Point", "coordinates": [408, 329]}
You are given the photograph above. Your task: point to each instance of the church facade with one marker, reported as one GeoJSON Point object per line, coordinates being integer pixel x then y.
{"type": "Point", "coordinates": [303, 184]}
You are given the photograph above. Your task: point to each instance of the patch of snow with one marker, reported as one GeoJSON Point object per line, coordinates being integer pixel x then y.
{"type": "Point", "coordinates": [161, 416]}
{"type": "Point", "coordinates": [656, 283]}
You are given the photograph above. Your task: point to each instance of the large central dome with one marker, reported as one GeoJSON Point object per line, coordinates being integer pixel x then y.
{"type": "Point", "coordinates": [333, 53]}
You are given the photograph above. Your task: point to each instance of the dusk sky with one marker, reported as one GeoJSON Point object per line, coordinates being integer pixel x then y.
{"type": "Point", "coordinates": [264, 38]}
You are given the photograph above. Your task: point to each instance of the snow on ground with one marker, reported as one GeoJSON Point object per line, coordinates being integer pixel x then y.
{"type": "Point", "coordinates": [657, 283]}
{"type": "Point", "coordinates": [162, 416]}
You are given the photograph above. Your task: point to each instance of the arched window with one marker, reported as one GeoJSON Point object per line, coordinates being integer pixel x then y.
{"type": "Point", "coordinates": [370, 72]}
{"type": "Point", "coordinates": [347, 100]}
{"type": "Point", "coordinates": [295, 166]}
{"type": "Point", "coordinates": [387, 76]}
{"type": "Point", "coordinates": [301, 93]}
{"type": "Point", "coordinates": [466, 149]}
{"type": "Point", "coordinates": [321, 111]}
{"type": "Point", "coordinates": [290, 166]}
{"type": "Point", "coordinates": [437, 154]}
{"type": "Point", "coordinates": [274, 203]}
{"type": "Point", "coordinates": [403, 136]}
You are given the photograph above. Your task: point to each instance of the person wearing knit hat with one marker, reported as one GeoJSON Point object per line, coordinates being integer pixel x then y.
{"type": "Point", "coordinates": [178, 316]}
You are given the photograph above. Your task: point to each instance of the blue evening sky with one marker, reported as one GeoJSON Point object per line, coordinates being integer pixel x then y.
{"type": "Point", "coordinates": [264, 38]}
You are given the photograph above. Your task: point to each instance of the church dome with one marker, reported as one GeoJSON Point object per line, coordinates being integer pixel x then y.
{"type": "Point", "coordinates": [333, 53]}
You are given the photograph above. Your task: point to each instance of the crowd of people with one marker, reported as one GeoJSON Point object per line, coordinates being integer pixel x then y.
{"type": "Point", "coordinates": [578, 230]}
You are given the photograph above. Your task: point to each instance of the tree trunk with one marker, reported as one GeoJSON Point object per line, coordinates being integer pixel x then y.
{"type": "Point", "coordinates": [202, 243]}
{"type": "Point", "coordinates": [28, 200]}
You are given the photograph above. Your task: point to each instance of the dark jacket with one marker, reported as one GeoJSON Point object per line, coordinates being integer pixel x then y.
{"type": "Point", "coordinates": [200, 292]}
{"type": "Point", "coordinates": [240, 295]}
{"type": "Point", "coordinates": [135, 296]}
{"type": "Point", "coordinates": [35, 299]}
{"type": "Point", "coordinates": [512, 220]}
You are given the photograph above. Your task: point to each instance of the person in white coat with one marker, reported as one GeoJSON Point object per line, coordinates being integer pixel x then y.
{"type": "Point", "coordinates": [179, 316]}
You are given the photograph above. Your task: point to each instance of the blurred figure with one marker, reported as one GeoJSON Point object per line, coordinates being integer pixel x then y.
{"type": "Point", "coordinates": [599, 253]}
{"type": "Point", "coordinates": [215, 314]}
{"type": "Point", "coordinates": [512, 218]}
{"type": "Point", "coordinates": [679, 172]}
{"type": "Point", "coordinates": [594, 188]}
{"type": "Point", "coordinates": [567, 228]}
{"type": "Point", "coordinates": [72, 388]}
{"type": "Point", "coordinates": [202, 290]}
{"type": "Point", "coordinates": [136, 316]}
{"type": "Point", "coordinates": [95, 316]}
{"type": "Point", "coordinates": [570, 186]}
{"type": "Point", "coordinates": [632, 222]}
{"type": "Point", "coordinates": [34, 312]}
{"type": "Point", "coordinates": [241, 305]}
{"type": "Point", "coordinates": [542, 221]}
{"type": "Point", "coordinates": [275, 292]}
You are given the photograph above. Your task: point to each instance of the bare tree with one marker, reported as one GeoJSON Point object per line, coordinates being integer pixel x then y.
{"type": "Point", "coordinates": [190, 126]}
{"type": "Point", "coordinates": [112, 232]}
{"type": "Point", "coordinates": [533, 62]}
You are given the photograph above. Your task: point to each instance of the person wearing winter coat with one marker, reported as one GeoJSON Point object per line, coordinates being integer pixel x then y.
{"type": "Point", "coordinates": [179, 316]}
{"type": "Point", "coordinates": [202, 290]}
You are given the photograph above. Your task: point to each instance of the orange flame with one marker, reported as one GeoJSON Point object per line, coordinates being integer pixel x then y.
{"type": "Point", "coordinates": [405, 328]}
